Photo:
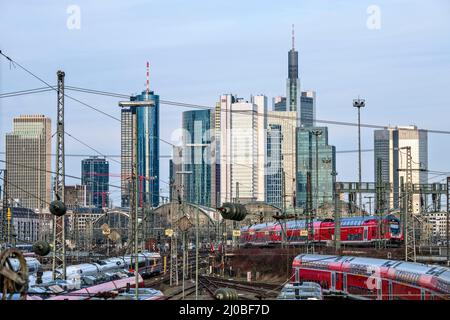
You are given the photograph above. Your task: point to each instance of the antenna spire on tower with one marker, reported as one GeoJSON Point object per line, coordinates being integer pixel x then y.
{"type": "Point", "coordinates": [293, 37]}
{"type": "Point", "coordinates": [148, 79]}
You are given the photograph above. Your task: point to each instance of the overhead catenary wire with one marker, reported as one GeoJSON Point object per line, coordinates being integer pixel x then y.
{"type": "Point", "coordinates": [195, 106]}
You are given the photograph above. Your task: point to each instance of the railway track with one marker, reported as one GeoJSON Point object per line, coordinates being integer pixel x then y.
{"type": "Point", "coordinates": [257, 291]}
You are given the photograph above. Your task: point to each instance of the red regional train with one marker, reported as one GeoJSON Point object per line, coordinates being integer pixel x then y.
{"type": "Point", "coordinates": [354, 231]}
{"type": "Point", "coordinates": [375, 279]}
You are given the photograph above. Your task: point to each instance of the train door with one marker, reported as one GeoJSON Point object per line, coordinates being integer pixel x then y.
{"type": "Point", "coordinates": [379, 289]}
{"type": "Point", "coordinates": [422, 294]}
{"type": "Point", "coordinates": [390, 290]}
{"type": "Point", "coordinates": [365, 233]}
{"type": "Point", "coordinates": [344, 282]}
{"type": "Point", "coordinates": [297, 278]}
{"type": "Point", "coordinates": [333, 281]}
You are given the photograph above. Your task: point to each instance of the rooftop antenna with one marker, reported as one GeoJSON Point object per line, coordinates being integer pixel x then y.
{"type": "Point", "coordinates": [293, 37]}
{"type": "Point", "coordinates": [148, 79]}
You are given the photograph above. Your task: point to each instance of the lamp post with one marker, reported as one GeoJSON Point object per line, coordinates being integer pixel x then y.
{"type": "Point", "coordinates": [359, 103]}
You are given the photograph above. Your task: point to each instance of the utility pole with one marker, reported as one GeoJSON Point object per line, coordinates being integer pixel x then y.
{"type": "Point", "coordinates": [59, 248]}
{"type": "Point", "coordinates": [359, 103]}
{"type": "Point", "coordinates": [447, 222]}
{"type": "Point", "coordinates": [196, 251]}
{"type": "Point", "coordinates": [309, 218]}
{"type": "Point", "coordinates": [379, 206]}
{"type": "Point", "coordinates": [370, 203]}
{"type": "Point", "coordinates": [283, 198]}
{"type": "Point", "coordinates": [317, 133]}
{"type": "Point", "coordinates": [410, 237]}
{"type": "Point", "coordinates": [337, 215]}
{"type": "Point", "coordinates": [5, 206]}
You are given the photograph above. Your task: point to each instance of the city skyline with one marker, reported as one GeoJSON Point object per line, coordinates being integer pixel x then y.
{"type": "Point", "coordinates": [236, 150]}
{"type": "Point", "coordinates": [266, 74]}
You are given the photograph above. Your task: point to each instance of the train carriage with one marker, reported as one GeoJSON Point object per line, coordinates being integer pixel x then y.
{"type": "Point", "coordinates": [360, 231]}
{"type": "Point", "coordinates": [370, 278]}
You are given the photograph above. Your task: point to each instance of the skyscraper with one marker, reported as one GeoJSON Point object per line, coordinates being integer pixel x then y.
{"type": "Point", "coordinates": [308, 109]}
{"type": "Point", "coordinates": [95, 176]}
{"type": "Point", "coordinates": [279, 103]}
{"type": "Point", "coordinates": [319, 159]}
{"type": "Point", "coordinates": [143, 119]}
{"type": "Point", "coordinates": [198, 157]}
{"type": "Point", "coordinates": [242, 148]}
{"type": "Point", "coordinates": [293, 82]}
{"type": "Point", "coordinates": [287, 120]}
{"type": "Point", "coordinates": [28, 161]}
{"type": "Point", "coordinates": [388, 144]}
{"type": "Point", "coordinates": [274, 170]}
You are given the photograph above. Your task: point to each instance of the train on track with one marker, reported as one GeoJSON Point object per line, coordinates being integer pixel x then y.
{"type": "Point", "coordinates": [361, 231]}
{"type": "Point", "coordinates": [149, 263]}
{"type": "Point", "coordinates": [370, 278]}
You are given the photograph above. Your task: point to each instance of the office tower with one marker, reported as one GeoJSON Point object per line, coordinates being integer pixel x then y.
{"type": "Point", "coordinates": [95, 176]}
{"type": "Point", "coordinates": [75, 196]}
{"type": "Point", "coordinates": [28, 161]}
{"type": "Point", "coordinates": [242, 148]}
{"type": "Point", "coordinates": [198, 160]}
{"type": "Point", "coordinates": [388, 144]}
{"type": "Point", "coordinates": [314, 155]}
{"type": "Point", "coordinates": [279, 103]}
{"type": "Point", "coordinates": [141, 120]}
{"type": "Point", "coordinates": [308, 109]}
{"type": "Point", "coordinates": [287, 121]}
{"type": "Point", "coordinates": [274, 171]}
{"type": "Point", "coordinates": [293, 82]}
{"type": "Point", "coordinates": [216, 150]}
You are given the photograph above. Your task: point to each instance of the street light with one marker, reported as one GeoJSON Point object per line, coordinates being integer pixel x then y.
{"type": "Point", "coordinates": [359, 103]}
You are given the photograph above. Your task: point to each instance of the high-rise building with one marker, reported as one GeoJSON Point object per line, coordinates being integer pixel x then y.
{"type": "Point", "coordinates": [308, 109]}
{"type": "Point", "coordinates": [293, 82]}
{"type": "Point", "coordinates": [95, 176]}
{"type": "Point", "coordinates": [288, 122]}
{"type": "Point", "coordinates": [388, 144]}
{"type": "Point", "coordinates": [198, 157]}
{"type": "Point", "coordinates": [28, 161]}
{"type": "Point", "coordinates": [274, 170]}
{"type": "Point", "coordinates": [141, 120]}
{"type": "Point", "coordinates": [315, 156]}
{"type": "Point", "coordinates": [279, 103]}
{"type": "Point", "coordinates": [242, 148]}
{"type": "Point", "coordinates": [75, 196]}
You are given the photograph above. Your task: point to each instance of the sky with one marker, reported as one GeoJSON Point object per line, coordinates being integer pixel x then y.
{"type": "Point", "coordinates": [396, 57]}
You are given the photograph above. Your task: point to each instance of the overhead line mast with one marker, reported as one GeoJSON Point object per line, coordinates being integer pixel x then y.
{"type": "Point", "coordinates": [59, 251]}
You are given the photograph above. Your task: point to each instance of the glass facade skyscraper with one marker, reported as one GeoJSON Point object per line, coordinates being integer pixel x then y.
{"type": "Point", "coordinates": [146, 121]}
{"type": "Point", "coordinates": [307, 109]}
{"type": "Point", "coordinates": [274, 169]}
{"type": "Point", "coordinates": [95, 176]}
{"type": "Point", "coordinates": [279, 103]}
{"type": "Point", "coordinates": [387, 144]}
{"type": "Point", "coordinates": [323, 191]}
{"type": "Point", "coordinates": [197, 160]}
